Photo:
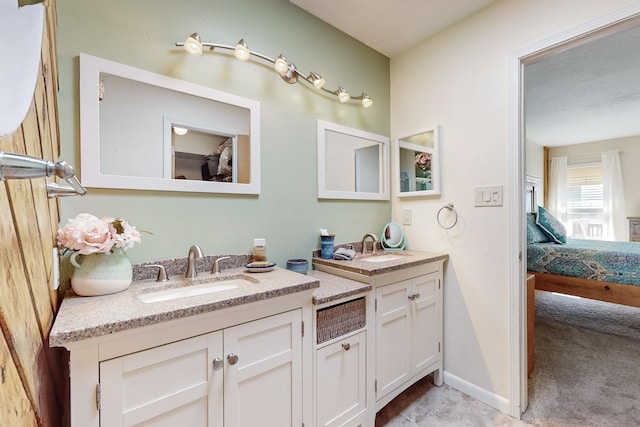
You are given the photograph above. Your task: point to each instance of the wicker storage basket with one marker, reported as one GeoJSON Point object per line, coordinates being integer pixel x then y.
{"type": "Point", "coordinates": [340, 319]}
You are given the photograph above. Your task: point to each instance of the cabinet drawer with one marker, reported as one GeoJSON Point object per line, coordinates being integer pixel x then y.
{"type": "Point", "coordinates": [340, 319]}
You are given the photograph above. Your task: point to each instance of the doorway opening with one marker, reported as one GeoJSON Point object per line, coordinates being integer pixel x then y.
{"type": "Point", "coordinates": [520, 133]}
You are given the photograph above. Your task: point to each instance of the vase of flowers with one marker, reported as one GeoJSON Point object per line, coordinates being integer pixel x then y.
{"type": "Point", "coordinates": [423, 171]}
{"type": "Point", "coordinates": [101, 265]}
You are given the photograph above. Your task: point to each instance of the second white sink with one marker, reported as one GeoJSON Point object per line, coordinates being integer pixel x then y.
{"type": "Point", "coordinates": [193, 290]}
{"type": "Point", "coordinates": [381, 258]}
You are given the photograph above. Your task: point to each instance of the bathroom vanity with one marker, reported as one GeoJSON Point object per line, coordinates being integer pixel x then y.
{"type": "Point", "coordinates": [336, 344]}
{"type": "Point", "coordinates": [400, 343]}
{"type": "Point", "coordinates": [212, 360]}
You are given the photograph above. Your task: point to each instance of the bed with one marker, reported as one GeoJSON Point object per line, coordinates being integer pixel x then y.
{"type": "Point", "coordinates": [597, 269]}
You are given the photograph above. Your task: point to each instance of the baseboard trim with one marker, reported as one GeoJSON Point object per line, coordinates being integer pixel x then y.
{"type": "Point", "coordinates": [484, 396]}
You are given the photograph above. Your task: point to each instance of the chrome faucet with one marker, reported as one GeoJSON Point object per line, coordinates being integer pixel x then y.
{"type": "Point", "coordinates": [194, 253]}
{"type": "Point", "coordinates": [364, 243]}
{"type": "Point", "coordinates": [216, 264]}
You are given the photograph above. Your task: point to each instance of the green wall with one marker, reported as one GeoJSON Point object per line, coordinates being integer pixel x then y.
{"type": "Point", "coordinates": [287, 213]}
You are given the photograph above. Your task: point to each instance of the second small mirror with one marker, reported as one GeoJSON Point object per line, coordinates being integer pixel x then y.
{"type": "Point", "coordinates": [418, 163]}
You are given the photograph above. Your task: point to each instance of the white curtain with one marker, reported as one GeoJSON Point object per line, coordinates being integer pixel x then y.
{"type": "Point", "coordinates": [558, 188]}
{"type": "Point", "coordinates": [613, 195]}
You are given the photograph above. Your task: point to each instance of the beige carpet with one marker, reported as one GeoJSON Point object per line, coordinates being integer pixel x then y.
{"type": "Point", "coordinates": [587, 364]}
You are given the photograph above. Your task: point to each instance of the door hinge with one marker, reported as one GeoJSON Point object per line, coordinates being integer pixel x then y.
{"type": "Point", "coordinates": [520, 256]}
{"type": "Point", "coordinates": [303, 328]}
{"type": "Point", "coordinates": [98, 396]}
{"type": "Point", "coordinates": [375, 304]}
{"type": "Point", "coordinates": [438, 346]}
{"type": "Point", "coordinates": [375, 386]}
{"type": "Point", "coordinates": [439, 281]}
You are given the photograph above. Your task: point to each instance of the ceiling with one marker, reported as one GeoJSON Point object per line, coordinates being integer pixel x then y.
{"type": "Point", "coordinates": [589, 92]}
{"type": "Point", "coordinates": [391, 27]}
{"type": "Point", "coordinates": [585, 93]}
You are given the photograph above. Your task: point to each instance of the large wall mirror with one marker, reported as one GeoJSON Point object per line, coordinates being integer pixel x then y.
{"type": "Point", "coordinates": [419, 163]}
{"type": "Point", "coordinates": [144, 131]}
{"type": "Point", "coordinates": [352, 164]}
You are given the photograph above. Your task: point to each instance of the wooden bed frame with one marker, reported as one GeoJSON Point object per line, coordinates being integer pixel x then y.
{"type": "Point", "coordinates": [595, 289]}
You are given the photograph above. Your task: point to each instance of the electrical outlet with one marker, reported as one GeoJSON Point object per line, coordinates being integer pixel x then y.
{"type": "Point", "coordinates": [406, 216]}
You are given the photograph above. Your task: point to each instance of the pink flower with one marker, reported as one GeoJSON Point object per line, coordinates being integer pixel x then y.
{"type": "Point", "coordinates": [123, 234]}
{"type": "Point", "coordinates": [423, 161]}
{"type": "Point", "coordinates": [88, 234]}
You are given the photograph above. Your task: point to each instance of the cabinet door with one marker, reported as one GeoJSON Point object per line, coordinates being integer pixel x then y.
{"type": "Point", "coordinates": [341, 380]}
{"type": "Point", "coordinates": [170, 385]}
{"type": "Point", "coordinates": [393, 342]}
{"type": "Point", "coordinates": [263, 372]}
{"type": "Point", "coordinates": [424, 321]}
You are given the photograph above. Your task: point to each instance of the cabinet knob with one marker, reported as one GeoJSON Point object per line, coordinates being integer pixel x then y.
{"type": "Point", "coordinates": [346, 346]}
{"type": "Point", "coordinates": [217, 364]}
{"type": "Point", "coordinates": [414, 296]}
{"type": "Point", "coordinates": [232, 358]}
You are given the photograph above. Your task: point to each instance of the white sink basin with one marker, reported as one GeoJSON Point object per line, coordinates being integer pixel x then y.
{"type": "Point", "coordinates": [381, 258]}
{"type": "Point", "coordinates": [192, 290]}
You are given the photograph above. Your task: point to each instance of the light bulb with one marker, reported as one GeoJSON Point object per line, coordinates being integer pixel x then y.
{"type": "Point", "coordinates": [317, 80]}
{"type": "Point", "coordinates": [242, 51]}
{"type": "Point", "coordinates": [366, 100]}
{"type": "Point", "coordinates": [281, 65]}
{"type": "Point", "coordinates": [180, 131]}
{"type": "Point", "coordinates": [343, 95]}
{"type": "Point", "coordinates": [193, 45]}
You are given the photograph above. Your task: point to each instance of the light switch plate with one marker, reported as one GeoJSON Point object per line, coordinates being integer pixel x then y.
{"type": "Point", "coordinates": [55, 269]}
{"type": "Point", "coordinates": [406, 216]}
{"type": "Point", "coordinates": [488, 196]}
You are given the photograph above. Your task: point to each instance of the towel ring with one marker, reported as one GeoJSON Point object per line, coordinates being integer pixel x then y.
{"type": "Point", "coordinates": [449, 207]}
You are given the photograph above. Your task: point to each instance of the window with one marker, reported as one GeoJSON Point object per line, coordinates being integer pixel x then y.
{"type": "Point", "coordinates": [585, 213]}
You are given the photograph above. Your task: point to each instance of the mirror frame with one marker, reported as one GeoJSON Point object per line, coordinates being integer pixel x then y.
{"type": "Point", "coordinates": [435, 162]}
{"type": "Point", "coordinates": [90, 69]}
{"type": "Point", "coordinates": [383, 141]}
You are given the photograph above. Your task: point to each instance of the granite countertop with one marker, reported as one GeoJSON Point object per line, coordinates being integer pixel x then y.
{"type": "Point", "coordinates": [403, 259]}
{"type": "Point", "coordinates": [81, 318]}
{"type": "Point", "coordinates": [334, 287]}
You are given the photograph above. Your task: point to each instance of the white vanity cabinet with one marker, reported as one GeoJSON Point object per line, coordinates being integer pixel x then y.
{"type": "Point", "coordinates": [404, 321]}
{"type": "Point", "coordinates": [341, 370]}
{"type": "Point", "coordinates": [341, 363]}
{"type": "Point", "coordinates": [243, 372]}
{"type": "Point", "coordinates": [408, 333]}
{"type": "Point", "coordinates": [177, 383]}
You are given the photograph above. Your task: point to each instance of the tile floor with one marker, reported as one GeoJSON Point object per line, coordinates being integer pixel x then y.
{"type": "Point", "coordinates": [424, 404]}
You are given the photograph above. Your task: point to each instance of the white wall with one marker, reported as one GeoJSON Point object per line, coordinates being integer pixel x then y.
{"type": "Point", "coordinates": [460, 80]}
{"type": "Point", "coordinates": [534, 160]}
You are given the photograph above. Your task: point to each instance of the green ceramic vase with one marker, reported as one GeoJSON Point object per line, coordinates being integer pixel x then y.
{"type": "Point", "coordinates": [101, 273]}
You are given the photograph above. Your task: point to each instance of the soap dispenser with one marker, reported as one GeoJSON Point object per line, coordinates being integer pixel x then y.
{"type": "Point", "coordinates": [259, 250]}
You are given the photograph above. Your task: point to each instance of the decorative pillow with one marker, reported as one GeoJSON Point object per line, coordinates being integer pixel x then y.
{"type": "Point", "coordinates": [534, 233]}
{"type": "Point", "coordinates": [551, 226]}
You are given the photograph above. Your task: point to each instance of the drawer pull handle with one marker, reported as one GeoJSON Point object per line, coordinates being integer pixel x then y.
{"type": "Point", "coordinates": [346, 346]}
{"type": "Point", "coordinates": [217, 364]}
{"type": "Point", "coordinates": [232, 358]}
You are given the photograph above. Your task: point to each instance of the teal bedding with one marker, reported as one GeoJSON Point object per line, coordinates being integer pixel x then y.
{"type": "Point", "coordinates": [617, 262]}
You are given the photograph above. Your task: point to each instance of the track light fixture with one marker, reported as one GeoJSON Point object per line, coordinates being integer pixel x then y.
{"type": "Point", "coordinates": [287, 70]}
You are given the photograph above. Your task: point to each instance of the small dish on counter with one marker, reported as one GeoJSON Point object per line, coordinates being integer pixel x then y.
{"type": "Point", "coordinates": [260, 266]}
